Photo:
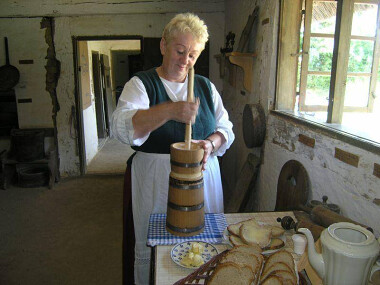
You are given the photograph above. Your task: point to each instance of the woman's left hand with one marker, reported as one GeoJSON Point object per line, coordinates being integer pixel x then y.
{"type": "Point", "coordinates": [207, 147]}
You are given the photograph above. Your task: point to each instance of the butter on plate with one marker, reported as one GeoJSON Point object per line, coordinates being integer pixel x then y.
{"type": "Point", "coordinates": [194, 256]}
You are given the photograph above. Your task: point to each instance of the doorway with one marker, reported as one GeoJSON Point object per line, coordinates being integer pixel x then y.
{"type": "Point", "coordinates": [96, 96]}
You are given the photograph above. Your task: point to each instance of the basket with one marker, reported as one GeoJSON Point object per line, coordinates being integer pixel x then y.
{"type": "Point", "coordinates": [203, 273]}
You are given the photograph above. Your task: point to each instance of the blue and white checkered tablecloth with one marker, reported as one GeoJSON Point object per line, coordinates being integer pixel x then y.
{"type": "Point", "coordinates": [212, 233]}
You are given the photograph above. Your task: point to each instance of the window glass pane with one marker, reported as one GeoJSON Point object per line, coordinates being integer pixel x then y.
{"type": "Point", "coordinates": [323, 19]}
{"type": "Point", "coordinates": [320, 54]}
{"type": "Point", "coordinates": [357, 89]}
{"type": "Point", "coordinates": [364, 20]}
{"type": "Point", "coordinates": [361, 56]}
{"type": "Point", "coordinates": [317, 90]}
{"type": "Point", "coordinates": [364, 124]}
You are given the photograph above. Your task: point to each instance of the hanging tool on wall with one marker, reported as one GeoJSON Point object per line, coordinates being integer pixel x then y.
{"type": "Point", "coordinates": [247, 42]}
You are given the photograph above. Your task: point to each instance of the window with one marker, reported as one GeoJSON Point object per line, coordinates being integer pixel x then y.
{"type": "Point", "coordinates": [328, 67]}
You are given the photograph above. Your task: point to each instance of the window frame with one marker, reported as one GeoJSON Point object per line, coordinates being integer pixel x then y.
{"type": "Point", "coordinates": [289, 36]}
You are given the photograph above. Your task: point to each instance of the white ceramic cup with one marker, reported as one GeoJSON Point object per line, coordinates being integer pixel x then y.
{"type": "Point", "coordinates": [299, 242]}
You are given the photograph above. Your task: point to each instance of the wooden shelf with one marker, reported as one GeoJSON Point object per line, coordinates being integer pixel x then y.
{"type": "Point", "coordinates": [245, 61]}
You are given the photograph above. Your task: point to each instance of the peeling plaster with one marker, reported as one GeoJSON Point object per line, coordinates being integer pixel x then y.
{"type": "Point", "coordinates": [53, 68]}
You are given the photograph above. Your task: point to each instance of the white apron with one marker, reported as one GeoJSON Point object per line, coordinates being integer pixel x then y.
{"type": "Point", "coordinates": [150, 186]}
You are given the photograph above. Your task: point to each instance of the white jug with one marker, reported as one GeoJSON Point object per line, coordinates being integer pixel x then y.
{"type": "Point", "coordinates": [348, 254]}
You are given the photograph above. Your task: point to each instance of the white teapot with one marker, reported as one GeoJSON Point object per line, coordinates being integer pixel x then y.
{"type": "Point", "coordinates": [348, 254]}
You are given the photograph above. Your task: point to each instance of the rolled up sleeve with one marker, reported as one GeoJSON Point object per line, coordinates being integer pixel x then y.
{"type": "Point", "coordinates": [132, 99]}
{"type": "Point", "coordinates": [223, 123]}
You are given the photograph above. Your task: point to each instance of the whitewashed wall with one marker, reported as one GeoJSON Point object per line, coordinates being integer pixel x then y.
{"type": "Point", "coordinates": [355, 190]}
{"type": "Point", "coordinates": [83, 18]}
{"type": "Point", "coordinates": [27, 41]}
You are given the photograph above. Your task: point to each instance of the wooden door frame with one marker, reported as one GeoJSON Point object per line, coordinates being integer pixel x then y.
{"type": "Point", "coordinates": [78, 99]}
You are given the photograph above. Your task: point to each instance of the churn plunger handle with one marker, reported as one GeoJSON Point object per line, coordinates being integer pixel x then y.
{"type": "Point", "coordinates": [190, 98]}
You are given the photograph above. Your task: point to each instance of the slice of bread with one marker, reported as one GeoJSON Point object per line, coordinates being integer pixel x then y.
{"type": "Point", "coordinates": [242, 259]}
{"type": "Point", "coordinates": [234, 228]}
{"type": "Point", "coordinates": [277, 231]}
{"type": "Point", "coordinates": [273, 280]}
{"type": "Point", "coordinates": [287, 277]}
{"type": "Point", "coordinates": [231, 274]}
{"type": "Point", "coordinates": [280, 256]}
{"type": "Point", "coordinates": [253, 249]}
{"type": "Point", "coordinates": [235, 240]}
{"type": "Point", "coordinates": [275, 243]}
{"type": "Point", "coordinates": [255, 234]}
{"type": "Point", "coordinates": [275, 267]}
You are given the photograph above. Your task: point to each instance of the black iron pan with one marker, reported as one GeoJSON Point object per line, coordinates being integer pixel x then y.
{"type": "Point", "coordinates": [9, 75]}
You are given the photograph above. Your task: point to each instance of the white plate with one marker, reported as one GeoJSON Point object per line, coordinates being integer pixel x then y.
{"type": "Point", "coordinates": [180, 250]}
{"type": "Point", "coordinates": [226, 240]}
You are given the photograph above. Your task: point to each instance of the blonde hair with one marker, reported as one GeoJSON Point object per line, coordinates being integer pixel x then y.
{"type": "Point", "coordinates": [186, 23]}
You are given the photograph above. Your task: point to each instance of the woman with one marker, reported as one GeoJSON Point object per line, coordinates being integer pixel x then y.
{"type": "Point", "coordinates": [151, 115]}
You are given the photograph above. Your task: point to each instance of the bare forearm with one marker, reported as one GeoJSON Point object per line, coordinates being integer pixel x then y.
{"type": "Point", "coordinates": [146, 121]}
{"type": "Point", "coordinates": [218, 139]}
{"type": "Point", "coordinates": [210, 145]}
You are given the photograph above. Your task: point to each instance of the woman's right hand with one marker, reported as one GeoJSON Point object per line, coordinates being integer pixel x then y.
{"type": "Point", "coordinates": [185, 112]}
{"type": "Point", "coordinates": [146, 121]}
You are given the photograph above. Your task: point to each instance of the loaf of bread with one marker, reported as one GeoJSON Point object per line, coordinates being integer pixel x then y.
{"type": "Point", "coordinates": [243, 265]}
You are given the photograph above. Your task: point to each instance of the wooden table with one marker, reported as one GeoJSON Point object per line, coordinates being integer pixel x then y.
{"type": "Point", "coordinates": [167, 272]}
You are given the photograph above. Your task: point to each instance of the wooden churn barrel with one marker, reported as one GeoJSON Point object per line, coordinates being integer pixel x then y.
{"type": "Point", "coordinates": [185, 211]}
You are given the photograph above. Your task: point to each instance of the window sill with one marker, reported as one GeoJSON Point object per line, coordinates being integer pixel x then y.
{"type": "Point", "coordinates": [331, 130]}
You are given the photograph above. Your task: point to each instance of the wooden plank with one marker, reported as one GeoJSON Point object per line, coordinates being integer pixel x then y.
{"type": "Point", "coordinates": [289, 44]}
{"type": "Point", "coordinates": [347, 157]}
{"type": "Point", "coordinates": [376, 170]}
{"type": "Point", "coordinates": [240, 194]}
{"type": "Point", "coordinates": [17, 8]}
